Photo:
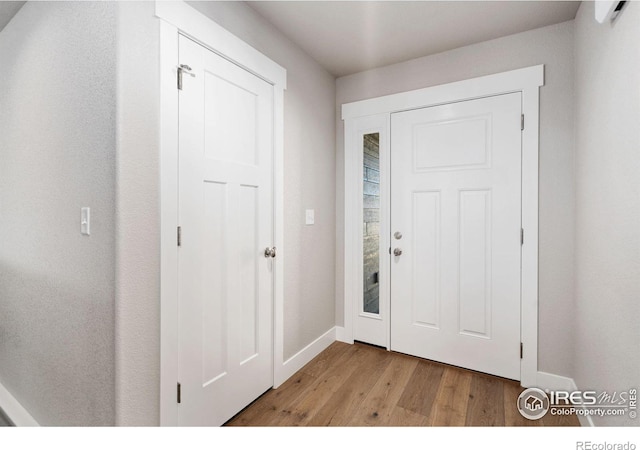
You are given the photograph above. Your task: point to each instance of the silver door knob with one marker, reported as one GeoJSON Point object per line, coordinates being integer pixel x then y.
{"type": "Point", "coordinates": [397, 251]}
{"type": "Point", "coordinates": [397, 235]}
{"type": "Point", "coordinates": [270, 252]}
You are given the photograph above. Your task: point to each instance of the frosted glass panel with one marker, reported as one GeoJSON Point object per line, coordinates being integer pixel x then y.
{"type": "Point", "coordinates": [371, 225]}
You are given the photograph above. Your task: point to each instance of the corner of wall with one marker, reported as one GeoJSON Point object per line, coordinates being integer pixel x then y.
{"type": "Point", "coordinates": [137, 331]}
{"type": "Point", "coordinates": [303, 357]}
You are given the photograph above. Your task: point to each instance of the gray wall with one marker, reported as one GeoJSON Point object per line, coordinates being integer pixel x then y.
{"type": "Point", "coordinates": [607, 235]}
{"type": "Point", "coordinates": [552, 46]}
{"type": "Point", "coordinates": [137, 327]}
{"type": "Point", "coordinates": [309, 183]}
{"type": "Point", "coordinates": [309, 173]}
{"type": "Point", "coordinates": [57, 154]}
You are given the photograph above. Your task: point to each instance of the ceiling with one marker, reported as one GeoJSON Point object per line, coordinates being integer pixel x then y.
{"type": "Point", "coordinates": [346, 37]}
{"type": "Point", "coordinates": [7, 11]}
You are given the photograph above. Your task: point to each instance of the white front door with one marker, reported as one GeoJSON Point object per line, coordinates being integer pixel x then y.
{"type": "Point", "coordinates": [456, 201]}
{"type": "Point", "coordinates": [226, 218]}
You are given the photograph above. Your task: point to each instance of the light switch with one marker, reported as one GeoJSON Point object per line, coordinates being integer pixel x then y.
{"type": "Point", "coordinates": [85, 221]}
{"type": "Point", "coordinates": [310, 217]}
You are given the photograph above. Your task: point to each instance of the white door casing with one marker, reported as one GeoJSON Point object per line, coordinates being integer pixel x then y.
{"type": "Point", "coordinates": [525, 82]}
{"type": "Point", "coordinates": [226, 218]}
{"type": "Point", "coordinates": [179, 19]}
{"type": "Point", "coordinates": [455, 183]}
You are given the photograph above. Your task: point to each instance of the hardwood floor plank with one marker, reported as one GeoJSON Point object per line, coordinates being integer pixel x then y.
{"type": "Point", "coordinates": [360, 385]}
{"type": "Point", "coordinates": [303, 410]}
{"type": "Point", "coordinates": [378, 405]}
{"type": "Point", "coordinates": [450, 407]}
{"type": "Point", "coordinates": [342, 354]}
{"type": "Point", "coordinates": [420, 393]}
{"type": "Point", "coordinates": [401, 417]}
{"type": "Point", "coordinates": [325, 359]}
{"type": "Point", "coordinates": [512, 416]}
{"type": "Point", "coordinates": [262, 411]}
{"type": "Point", "coordinates": [346, 401]}
{"type": "Point", "coordinates": [486, 402]}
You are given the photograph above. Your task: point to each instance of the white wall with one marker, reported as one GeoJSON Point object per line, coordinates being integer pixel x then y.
{"type": "Point", "coordinates": [309, 155]}
{"type": "Point", "coordinates": [552, 46]}
{"type": "Point", "coordinates": [57, 154]}
{"type": "Point", "coordinates": [607, 238]}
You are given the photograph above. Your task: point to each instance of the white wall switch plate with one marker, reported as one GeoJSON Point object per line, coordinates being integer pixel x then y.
{"type": "Point", "coordinates": [85, 221]}
{"type": "Point", "coordinates": [309, 217]}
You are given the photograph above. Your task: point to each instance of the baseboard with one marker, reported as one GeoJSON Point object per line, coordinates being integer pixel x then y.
{"type": "Point", "coordinates": [554, 382]}
{"type": "Point", "coordinates": [14, 410]}
{"type": "Point", "coordinates": [300, 359]}
{"type": "Point", "coordinates": [340, 335]}
{"type": "Point", "coordinates": [585, 421]}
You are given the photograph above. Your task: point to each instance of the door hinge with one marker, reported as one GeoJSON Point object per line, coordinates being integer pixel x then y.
{"type": "Point", "coordinates": [179, 393]}
{"type": "Point", "coordinates": [179, 236]}
{"type": "Point", "coordinates": [521, 236]}
{"type": "Point", "coordinates": [182, 69]}
{"type": "Point", "coordinates": [521, 352]}
{"type": "Point", "coordinates": [522, 122]}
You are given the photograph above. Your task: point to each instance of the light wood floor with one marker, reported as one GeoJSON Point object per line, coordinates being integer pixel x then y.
{"type": "Point", "coordinates": [362, 385]}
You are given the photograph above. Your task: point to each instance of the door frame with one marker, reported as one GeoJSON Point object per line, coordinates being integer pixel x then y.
{"type": "Point", "coordinates": [178, 18]}
{"type": "Point", "coordinates": [373, 115]}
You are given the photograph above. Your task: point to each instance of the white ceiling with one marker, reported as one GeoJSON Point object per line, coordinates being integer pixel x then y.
{"type": "Point", "coordinates": [7, 11]}
{"type": "Point", "coordinates": [346, 37]}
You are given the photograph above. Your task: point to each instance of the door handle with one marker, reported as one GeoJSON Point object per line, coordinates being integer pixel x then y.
{"type": "Point", "coordinates": [270, 252]}
{"type": "Point", "coordinates": [397, 251]}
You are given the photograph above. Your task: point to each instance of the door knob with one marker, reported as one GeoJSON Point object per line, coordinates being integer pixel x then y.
{"type": "Point", "coordinates": [397, 235]}
{"type": "Point", "coordinates": [270, 252]}
{"type": "Point", "coordinates": [397, 251]}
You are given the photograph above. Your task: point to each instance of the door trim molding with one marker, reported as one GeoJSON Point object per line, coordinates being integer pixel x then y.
{"type": "Point", "coordinates": [527, 81]}
{"type": "Point", "coordinates": [179, 18]}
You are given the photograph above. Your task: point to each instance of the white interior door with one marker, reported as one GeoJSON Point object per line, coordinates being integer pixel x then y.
{"type": "Point", "coordinates": [226, 218]}
{"type": "Point", "coordinates": [456, 200]}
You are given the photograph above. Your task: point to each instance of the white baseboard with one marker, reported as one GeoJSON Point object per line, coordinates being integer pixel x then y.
{"type": "Point", "coordinates": [585, 421]}
{"type": "Point", "coordinates": [340, 334]}
{"type": "Point", "coordinates": [298, 361]}
{"type": "Point", "coordinates": [14, 410]}
{"type": "Point", "coordinates": [554, 382]}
